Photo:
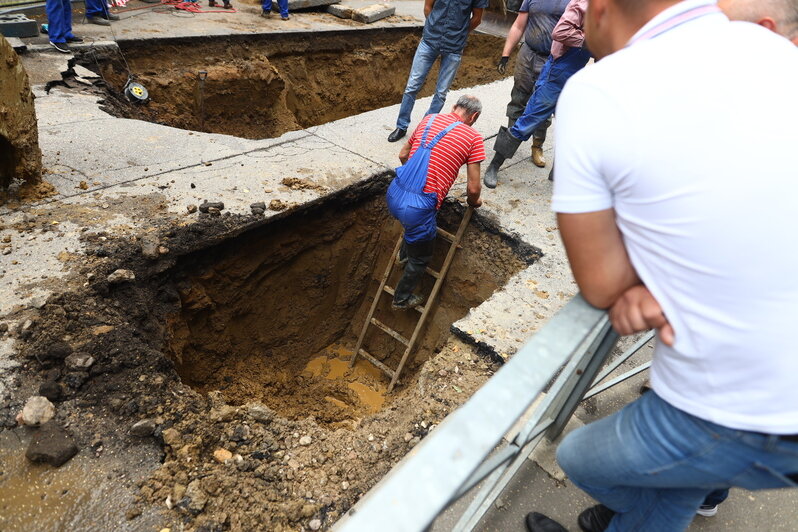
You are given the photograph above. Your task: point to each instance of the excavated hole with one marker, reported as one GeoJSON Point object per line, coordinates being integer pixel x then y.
{"type": "Point", "coordinates": [273, 315]}
{"type": "Point", "coordinates": [263, 86]}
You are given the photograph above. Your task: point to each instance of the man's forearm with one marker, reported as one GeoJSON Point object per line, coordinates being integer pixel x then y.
{"type": "Point", "coordinates": [428, 4]}
{"type": "Point", "coordinates": [514, 35]}
{"type": "Point", "coordinates": [476, 19]}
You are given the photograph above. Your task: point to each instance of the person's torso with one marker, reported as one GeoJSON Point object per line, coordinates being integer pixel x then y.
{"type": "Point", "coordinates": [543, 16]}
{"type": "Point", "coordinates": [446, 27]}
{"type": "Point", "coordinates": [705, 188]}
{"type": "Point", "coordinates": [454, 150]}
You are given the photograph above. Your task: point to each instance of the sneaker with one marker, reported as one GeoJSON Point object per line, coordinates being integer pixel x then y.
{"type": "Point", "coordinates": [100, 21]}
{"type": "Point", "coordinates": [266, 14]}
{"type": "Point", "coordinates": [412, 302]}
{"type": "Point", "coordinates": [111, 16]}
{"type": "Point", "coordinates": [536, 522]}
{"type": "Point", "coordinates": [74, 39]}
{"type": "Point", "coordinates": [707, 510]}
{"type": "Point", "coordinates": [61, 47]}
{"type": "Point", "coordinates": [286, 17]}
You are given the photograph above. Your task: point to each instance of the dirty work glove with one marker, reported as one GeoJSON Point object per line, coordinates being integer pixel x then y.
{"type": "Point", "coordinates": [502, 66]}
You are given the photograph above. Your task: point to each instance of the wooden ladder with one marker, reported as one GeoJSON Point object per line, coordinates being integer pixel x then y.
{"type": "Point", "coordinates": [424, 310]}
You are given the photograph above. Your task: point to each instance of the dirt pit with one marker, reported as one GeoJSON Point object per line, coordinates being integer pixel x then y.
{"type": "Point", "coordinates": [263, 86]}
{"type": "Point", "coordinates": [273, 315]}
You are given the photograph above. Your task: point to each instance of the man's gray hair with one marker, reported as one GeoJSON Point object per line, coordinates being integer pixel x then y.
{"type": "Point", "coordinates": [783, 12]}
{"type": "Point", "coordinates": [470, 104]}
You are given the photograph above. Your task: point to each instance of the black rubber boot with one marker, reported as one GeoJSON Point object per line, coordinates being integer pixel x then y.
{"type": "Point", "coordinates": [491, 178]}
{"type": "Point", "coordinates": [505, 146]}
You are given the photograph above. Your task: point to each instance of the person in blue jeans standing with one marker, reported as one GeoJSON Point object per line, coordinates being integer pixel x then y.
{"type": "Point", "coordinates": [446, 29]}
{"type": "Point", "coordinates": [568, 56]}
{"type": "Point", "coordinates": [59, 25]}
{"type": "Point", "coordinates": [282, 4]}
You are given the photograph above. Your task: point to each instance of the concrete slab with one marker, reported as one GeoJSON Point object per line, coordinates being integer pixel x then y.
{"type": "Point", "coordinates": [341, 11]}
{"type": "Point", "coordinates": [373, 13]}
{"type": "Point", "coordinates": [294, 5]}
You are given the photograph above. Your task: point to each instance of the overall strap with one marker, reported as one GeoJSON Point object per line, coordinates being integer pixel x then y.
{"type": "Point", "coordinates": [440, 135]}
{"type": "Point", "coordinates": [426, 129]}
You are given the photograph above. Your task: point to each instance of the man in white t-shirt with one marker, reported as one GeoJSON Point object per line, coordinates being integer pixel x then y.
{"type": "Point", "coordinates": [702, 247]}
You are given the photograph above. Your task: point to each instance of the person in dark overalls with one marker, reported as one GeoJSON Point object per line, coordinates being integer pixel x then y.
{"type": "Point", "coordinates": [431, 161]}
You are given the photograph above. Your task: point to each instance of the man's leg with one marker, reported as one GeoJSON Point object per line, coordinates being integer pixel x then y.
{"type": "Point", "coordinates": [654, 464]}
{"type": "Point", "coordinates": [422, 63]}
{"type": "Point", "coordinates": [418, 256]}
{"type": "Point", "coordinates": [449, 65]}
{"type": "Point", "coordinates": [283, 4]}
{"type": "Point", "coordinates": [59, 20]}
{"type": "Point", "coordinates": [96, 8]}
{"type": "Point", "coordinates": [547, 91]}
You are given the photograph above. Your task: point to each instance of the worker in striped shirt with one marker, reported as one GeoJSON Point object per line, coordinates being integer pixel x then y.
{"type": "Point", "coordinates": [431, 159]}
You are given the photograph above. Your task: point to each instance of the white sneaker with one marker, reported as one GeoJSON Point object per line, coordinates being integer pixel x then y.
{"type": "Point", "coordinates": [707, 511]}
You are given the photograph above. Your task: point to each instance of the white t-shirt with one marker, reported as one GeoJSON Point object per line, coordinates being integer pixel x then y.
{"type": "Point", "coordinates": [692, 137]}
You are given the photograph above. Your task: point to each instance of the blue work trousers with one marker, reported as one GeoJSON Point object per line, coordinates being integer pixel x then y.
{"type": "Point", "coordinates": [282, 4]}
{"type": "Point", "coordinates": [59, 20]}
{"type": "Point", "coordinates": [97, 8]}
{"type": "Point", "coordinates": [543, 102]}
{"type": "Point", "coordinates": [654, 464]}
{"type": "Point", "coordinates": [422, 63]}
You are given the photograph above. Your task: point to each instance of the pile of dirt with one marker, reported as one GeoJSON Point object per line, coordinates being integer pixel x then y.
{"type": "Point", "coordinates": [245, 444]}
{"type": "Point", "coordinates": [20, 156]}
{"type": "Point", "coordinates": [262, 88]}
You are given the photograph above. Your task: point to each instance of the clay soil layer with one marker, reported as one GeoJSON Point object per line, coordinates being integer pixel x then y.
{"type": "Point", "coordinates": [262, 87]}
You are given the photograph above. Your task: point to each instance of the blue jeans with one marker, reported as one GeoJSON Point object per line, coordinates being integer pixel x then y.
{"type": "Point", "coordinates": [266, 5]}
{"type": "Point", "coordinates": [543, 102]}
{"type": "Point", "coordinates": [97, 8]}
{"type": "Point", "coordinates": [422, 63]}
{"type": "Point", "coordinates": [59, 20]}
{"type": "Point", "coordinates": [654, 464]}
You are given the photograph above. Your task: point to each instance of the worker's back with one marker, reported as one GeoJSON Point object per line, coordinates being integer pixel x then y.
{"type": "Point", "coordinates": [462, 145]}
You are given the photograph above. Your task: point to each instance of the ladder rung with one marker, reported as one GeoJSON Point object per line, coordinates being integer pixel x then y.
{"type": "Point", "coordinates": [428, 270]}
{"type": "Point", "coordinates": [448, 236]}
{"type": "Point", "coordinates": [365, 354]}
{"type": "Point", "coordinates": [388, 289]}
{"type": "Point", "coordinates": [387, 330]}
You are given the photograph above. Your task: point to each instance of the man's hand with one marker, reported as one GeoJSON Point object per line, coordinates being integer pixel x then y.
{"type": "Point", "coordinates": [636, 311]}
{"type": "Point", "coordinates": [477, 204]}
{"type": "Point", "coordinates": [502, 66]}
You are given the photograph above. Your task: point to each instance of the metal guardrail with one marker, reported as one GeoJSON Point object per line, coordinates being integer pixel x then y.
{"type": "Point", "coordinates": [470, 447]}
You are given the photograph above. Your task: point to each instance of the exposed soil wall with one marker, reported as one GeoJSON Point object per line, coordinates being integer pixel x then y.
{"type": "Point", "coordinates": [20, 156]}
{"type": "Point", "coordinates": [263, 88]}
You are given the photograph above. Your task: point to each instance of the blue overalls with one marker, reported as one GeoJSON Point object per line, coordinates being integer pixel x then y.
{"type": "Point", "coordinates": [416, 210]}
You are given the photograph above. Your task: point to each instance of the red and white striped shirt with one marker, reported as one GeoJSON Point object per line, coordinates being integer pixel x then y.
{"type": "Point", "coordinates": [462, 145]}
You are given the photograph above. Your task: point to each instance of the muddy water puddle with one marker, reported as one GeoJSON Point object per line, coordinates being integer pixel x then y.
{"type": "Point", "coordinates": [363, 379]}
{"type": "Point", "coordinates": [80, 495]}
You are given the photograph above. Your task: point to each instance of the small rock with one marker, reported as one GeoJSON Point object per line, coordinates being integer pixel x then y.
{"type": "Point", "coordinates": [132, 513]}
{"type": "Point", "coordinates": [58, 351]}
{"type": "Point", "coordinates": [163, 250]}
{"type": "Point", "coordinates": [260, 413]}
{"type": "Point", "coordinates": [344, 485]}
{"type": "Point", "coordinates": [258, 212]}
{"type": "Point", "coordinates": [442, 373]}
{"type": "Point", "coordinates": [143, 428]}
{"type": "Point", "coordinates": [315, 524]}
{"type": "Point", "coordinates": [213, 211]}
{"type": "Point", "coordinates": [223, 413]}
{"type": "Point", "coordinates": [149, 246]}
{"type": "Point", "coordinates": [52, 445]}
{"type": "Point", "coordinates": [222, 455]}
{"type": "Point", "coordinates": [51, 390]}
{"type": "Point", "coordinates": [197, 498]}
{"type": "Point", "coordinates": [415, 441]}
{"type": "Point", "coordinates": [191, 208]}
{"type": "Point", "coordinates": [370, 437]}
{"type": "Point", "coordinates": [75, 379]}
{"type": "Point", "coordinates": [171, 437]}
{"type": "Point", "coordinates": [305, 440]}
{"type": "Point", "coordinates": [3, 328]}
{"type": "Point", "coordinates": [121, 276]}
{"type": "Point", "coordinates": [79, 361]}
{"type": "Point", "coordinates": [293, 464]}
{"type": "Point", "coordinates": [206, 206]}
{"type": "Point", "coordinates": [408, 437]}
{"type": "Point", "coordinates": [241, 433]}
{"type": "Point", "coordinates": [38, 410]}
{"type": "Point", "coordinates": [6, 251]}
{"type": "Point", "coordinates": [26, 329]}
